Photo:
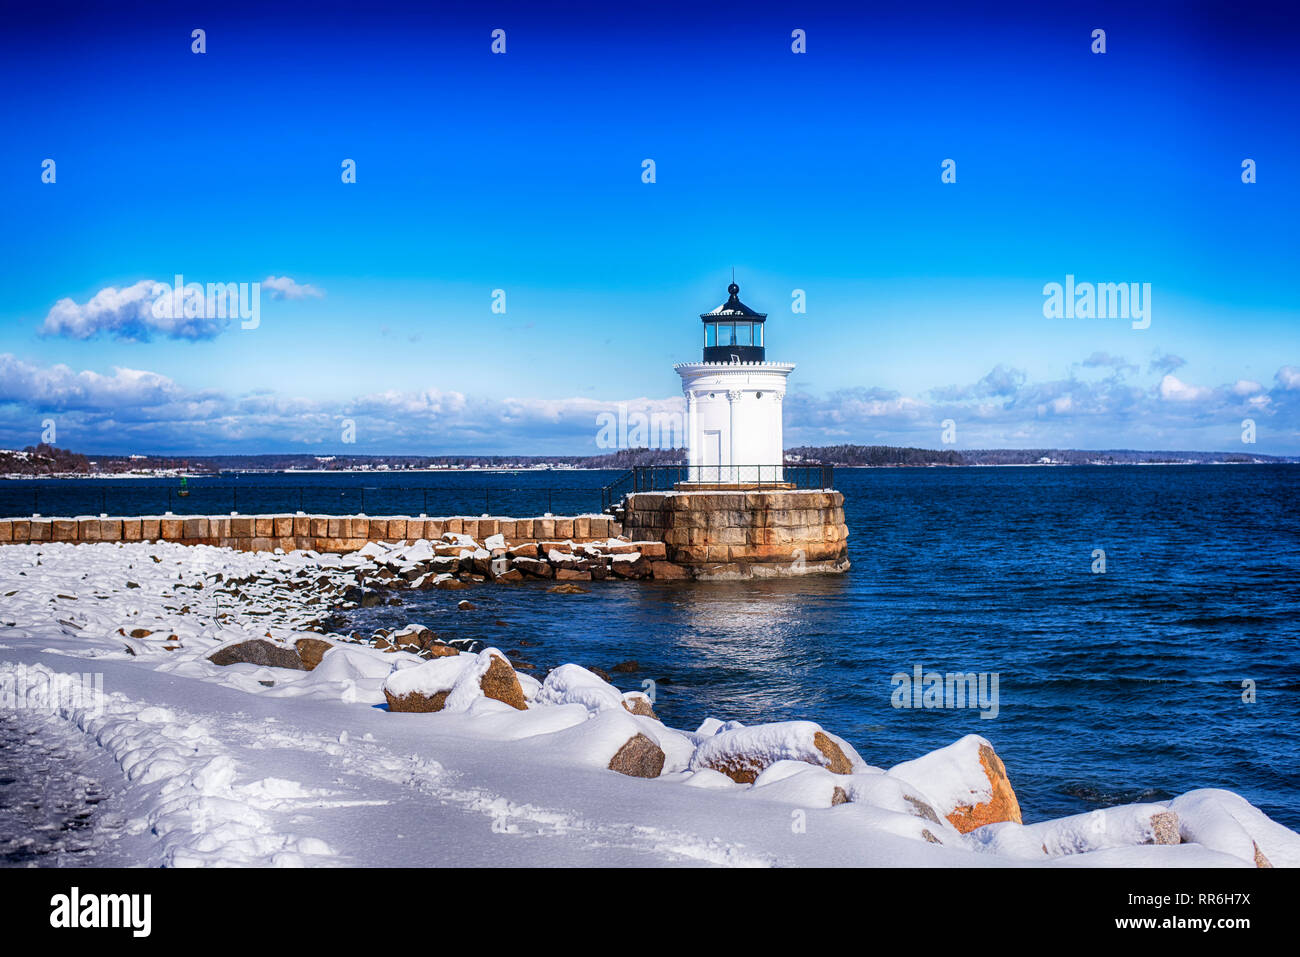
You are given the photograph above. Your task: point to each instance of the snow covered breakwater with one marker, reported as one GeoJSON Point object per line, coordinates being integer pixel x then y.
{"type": "Point", "coordinates": [703, 535]}
{"type": "Point", "coordinates": [322, 533]}
{"type": "Point", "coordinates": [248, 733]}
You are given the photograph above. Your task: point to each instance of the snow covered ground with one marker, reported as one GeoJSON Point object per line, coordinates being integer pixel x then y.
{"type": "Point", "coordinates": [121, 743]}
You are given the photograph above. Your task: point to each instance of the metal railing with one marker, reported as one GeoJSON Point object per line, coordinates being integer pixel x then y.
{"type": "Point", "coordinates": [199, 499]}
{"type": "Point", "coordinates": [662, 478]}
{"type": "Point", "coordinates": [613, 493]}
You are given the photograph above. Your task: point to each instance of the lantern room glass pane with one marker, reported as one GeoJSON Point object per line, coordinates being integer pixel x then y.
{"type": "Point", "coordinates": [758, 333]}
{"type": "Point", "coordinates": [710, 334]}
{"type": "Point", "coordinates": [724, 333]}
{"type": "Point", "coordinates": [742, 333]}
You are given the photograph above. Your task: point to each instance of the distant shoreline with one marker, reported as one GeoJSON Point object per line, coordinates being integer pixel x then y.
{"type": "Point", "coordinates": [171, 474]}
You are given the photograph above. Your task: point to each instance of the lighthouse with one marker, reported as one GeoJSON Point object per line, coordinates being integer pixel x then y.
{"type": "Point", "coordinates": [733, 400]}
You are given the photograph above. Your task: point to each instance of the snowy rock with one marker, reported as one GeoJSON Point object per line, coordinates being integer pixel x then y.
{"type": "Point", "coordinates": [501, 682]}
{"type": "Point", "coordinates": [639, 758]}
{"type": "Point", "coordinates": [880, 790]}
{"type": "Point", "coordinates": [453, 683]}
{"type": "Point", "coordinates": [412, 636]}
{"type": "Point", "coordinates": [311, 651]}
{"type": "Point", "coordinates": [258, 651]}
{"type": "Point", "coordinates": [1129, 825]}
{"type": "Point", "coordinates": [967, 781]}
{"type": "Point", "coordinates": [610, 739]}
{"type": "Point", "coordinates": [711, 726]}
{"type": "Point", "coordinates": [743, 753]}
{"type": "Point", "coordinates": [639, 703]}
{"type": "Point", "coordinates": [1223, 821]}
{"type": "Point", "coordinates": [799, 783]}
{"type": "Point", "coordinates": [573, 684]}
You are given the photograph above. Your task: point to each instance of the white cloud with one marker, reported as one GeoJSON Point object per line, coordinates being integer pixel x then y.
{"type": "Point", "coordinates": [128, 409]}
{"type": "Point", "coordinates": [126, 313]}
{"type": "Point", "coordinates": [58, 387]}
{"type": "Point", "coordinates": [129, 313]}
{"type": "Point", "coordinates": [1288, 377]}
{"type": "Point", "coordinates": [282, 287]}
{"type": "Point", "coordinates": [1175, 390]}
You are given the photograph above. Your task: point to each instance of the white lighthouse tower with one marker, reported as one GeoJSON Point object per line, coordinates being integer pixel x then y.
{"type": "Point", "coordinates": [733, 400]}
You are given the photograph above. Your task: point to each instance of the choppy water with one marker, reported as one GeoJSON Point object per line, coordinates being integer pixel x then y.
{"type": "Point", "coordinates": [1113, 687]}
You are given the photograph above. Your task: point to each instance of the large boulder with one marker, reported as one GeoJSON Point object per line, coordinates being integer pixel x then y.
{"type": "Point", "coordinates": [259, 651]}
{"type": "Point", "coordinates": [639, 758]}
{"type": "Point", "coordinates": [311, 651]}
{"type": "Point", "coordinates": [453, 683]}
{"type": "Point", "coordinates": [499, 681]}
{"type": "Point", "coordinates": [743, 753]}
{"type": "Point", "coordinates": [967, 781]}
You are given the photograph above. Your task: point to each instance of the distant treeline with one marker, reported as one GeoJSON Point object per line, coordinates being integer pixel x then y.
{"type": "Point", "coordinates": [42, 460]}
{"type": "Point", "coordinates": [46, 460]}
{"type": "Point", "coordinates": [63, 461]}
{"type": "Point", "coordinates": [881, 455]}
{"type": "Point", "coordinates": [873, 455]}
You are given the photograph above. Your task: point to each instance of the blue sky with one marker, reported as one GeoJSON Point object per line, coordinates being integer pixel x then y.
{"type": "Point", "coordinates": [522, 172]}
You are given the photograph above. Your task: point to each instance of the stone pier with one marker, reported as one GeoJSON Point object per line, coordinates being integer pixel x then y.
{"type": "Point", "coordinates": [708, 535]}
{"type": "Point", "coordinates": [721, 534]}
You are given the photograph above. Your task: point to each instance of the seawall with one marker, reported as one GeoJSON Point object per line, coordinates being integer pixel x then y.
{"type": "Point", "coordinates": [321, 533]}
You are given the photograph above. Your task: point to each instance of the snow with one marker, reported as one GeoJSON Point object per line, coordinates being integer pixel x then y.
{"type": "Point", "coordinates": [573, 684]}
{"type": "Point", "coordinates": [247, 765]}
{"type": "Point", "coordinates": [952, 775]}
{"type": "Point", "coordinates": [459, 675]}
{"type": "Point", "coordinates": [765, 744]}
{"type": "Point", "coordinates": [1111, 827]}
{"type": "Point", "coordinates": [1227, 822]}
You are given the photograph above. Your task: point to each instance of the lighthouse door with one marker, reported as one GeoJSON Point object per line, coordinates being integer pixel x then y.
{"type": "Point", "coordinates": [711, 456]}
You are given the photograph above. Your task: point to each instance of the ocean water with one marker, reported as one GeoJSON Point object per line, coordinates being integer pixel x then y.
{"type": "Point", "coordinates": [1117, 686]}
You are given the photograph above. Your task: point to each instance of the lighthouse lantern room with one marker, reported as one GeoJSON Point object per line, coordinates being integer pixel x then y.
{"type": "Point", "coordinates": [733, 401]}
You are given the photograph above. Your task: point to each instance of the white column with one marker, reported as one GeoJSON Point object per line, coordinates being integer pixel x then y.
{"type": "Point", "coordinates": [780, 436]}
{"type": "Point", "coordinates": [733, 396]}
{"type": "Point", "coordinates": [692, 444]}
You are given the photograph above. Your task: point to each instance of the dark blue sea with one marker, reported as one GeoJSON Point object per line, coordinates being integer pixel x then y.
{"type": "Point", "coordinates": [1115, 686]}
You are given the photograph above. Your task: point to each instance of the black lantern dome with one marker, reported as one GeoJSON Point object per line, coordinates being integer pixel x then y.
{"type": "Point", "coordinates": [733, 332]}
